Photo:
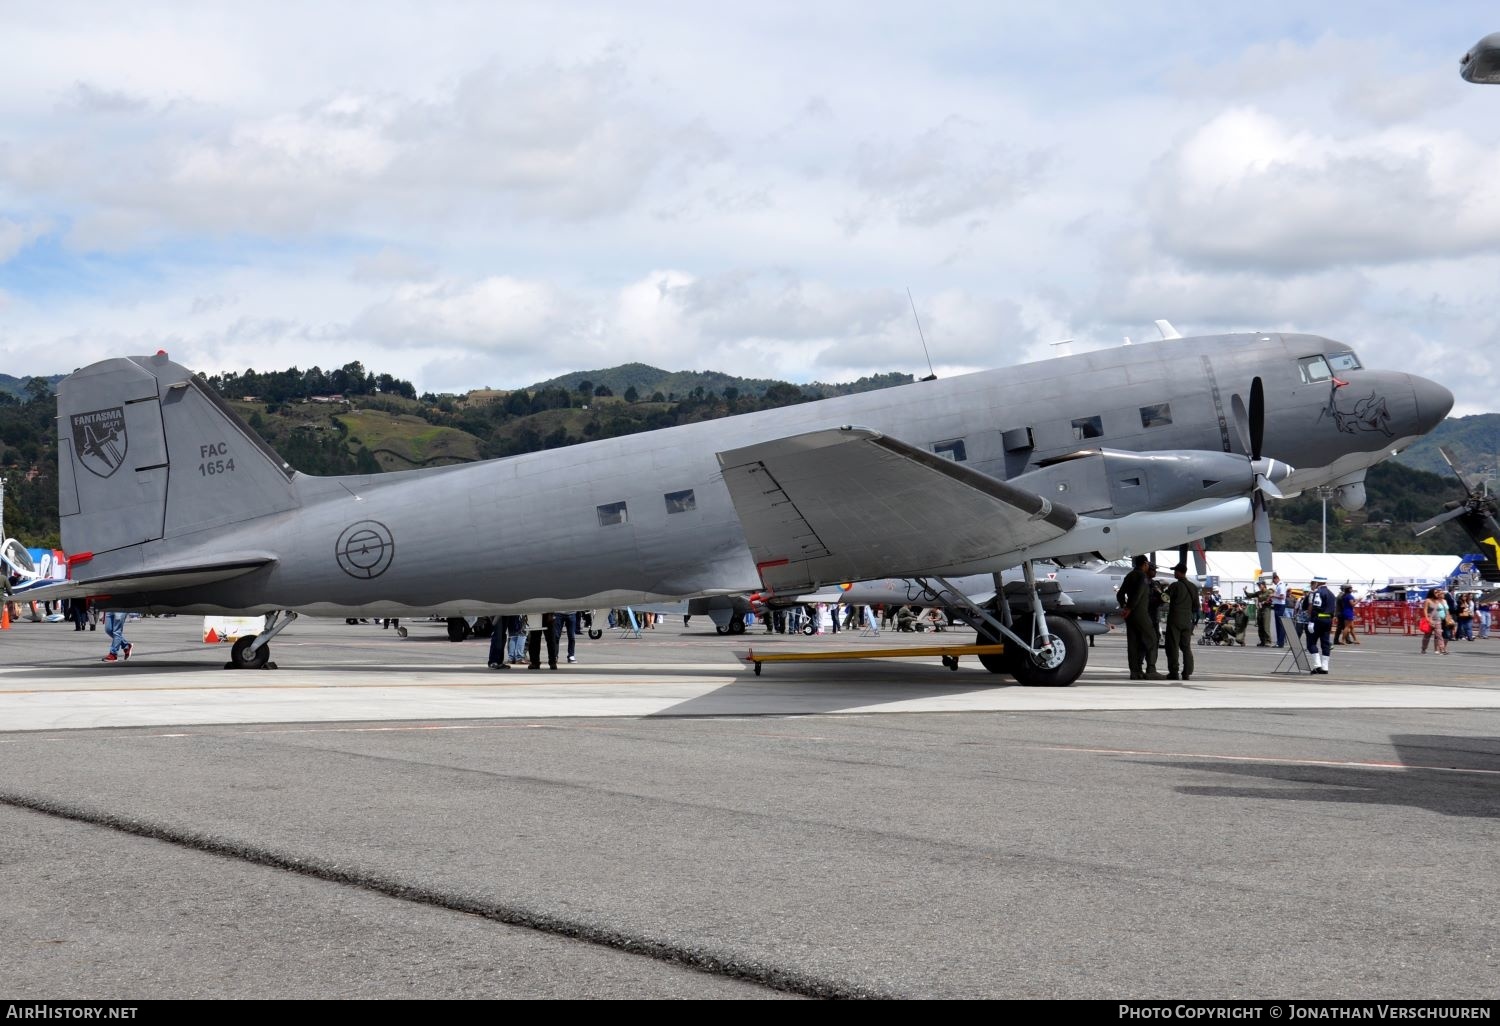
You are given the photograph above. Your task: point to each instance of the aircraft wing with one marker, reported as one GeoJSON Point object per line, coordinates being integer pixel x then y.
{"type": "Point", "coordinates": [851, 504]}
{"type": "Point", "coordinates": [161, 578]}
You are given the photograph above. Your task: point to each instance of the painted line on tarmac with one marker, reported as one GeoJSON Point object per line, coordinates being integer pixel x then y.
{"type": "Point", "coordinates": [628, 676]}
{"type": "Point", "coordinates": [1338, 763]}
{"type": "Point", "coordinates": [704, 960]}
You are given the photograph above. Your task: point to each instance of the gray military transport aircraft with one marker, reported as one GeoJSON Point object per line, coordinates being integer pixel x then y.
{"type": "Point", "coordinates": [170, 502]}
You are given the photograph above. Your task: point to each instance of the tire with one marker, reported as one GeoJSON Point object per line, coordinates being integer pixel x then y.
{"type": "Point", "coordinates": [737, 626]}
{"type": "Point", "coordinates": [995, 662]}
{"type": "Point", "coordinates": [595, 635]}
{"type": "Point", "coordinates": [722, 630]}
{"type": "Point", "coordinates": [241, 658]}
{"type": "Point", "coordinates": [458, 630]}
{"type": "Point", "coordinates": [401, 632]}
{"type": "Point", "coordinates": [1070, 668]}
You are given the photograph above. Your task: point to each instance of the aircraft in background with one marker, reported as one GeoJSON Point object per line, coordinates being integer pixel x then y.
{"type": "Point", "coordinates": [169, 502]}
{"type": "Point", "coordinates": [1481, 63]}
{"type": "Point", "coordinates": [1479, 515]}
{"type": "Point", "coordinates": [26, 569]}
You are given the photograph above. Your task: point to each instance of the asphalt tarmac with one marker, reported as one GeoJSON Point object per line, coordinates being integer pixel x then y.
{"type": "Point", "coordinates": [387, 818]}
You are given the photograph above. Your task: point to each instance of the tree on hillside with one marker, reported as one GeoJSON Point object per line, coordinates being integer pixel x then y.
{"type": "Point", "coordinates": [631, 395]}
{"type": "Point", "coordinates": [37, 390]}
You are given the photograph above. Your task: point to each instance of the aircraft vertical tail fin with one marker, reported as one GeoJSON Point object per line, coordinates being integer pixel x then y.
{"type": "Point", "coordinates": [147, 452]}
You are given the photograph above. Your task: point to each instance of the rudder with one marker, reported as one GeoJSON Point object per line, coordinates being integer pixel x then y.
{"type": "Point", "coordinates": [147, 452]}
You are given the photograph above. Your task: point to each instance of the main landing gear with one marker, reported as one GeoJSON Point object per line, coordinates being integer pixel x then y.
{"type": "Point", "coordinates": [252, 651]}
{"type": "Point", "coordinates": [1041, 650]}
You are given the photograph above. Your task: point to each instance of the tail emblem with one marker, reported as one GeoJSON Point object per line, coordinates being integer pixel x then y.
{"type": "Point", "coordinates": [99, 440]}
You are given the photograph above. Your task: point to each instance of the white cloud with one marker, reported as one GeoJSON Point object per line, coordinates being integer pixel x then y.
{"type": "Point", "coordinates": [1252, 191]}
{"type": "Point", "coordinates": [16, 235]}
{"type": "Point", "coordinates": [453, 191]}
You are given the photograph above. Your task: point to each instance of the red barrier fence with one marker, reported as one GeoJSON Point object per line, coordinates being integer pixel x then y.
{"type": "Point", "coordinates": [1386, 617]}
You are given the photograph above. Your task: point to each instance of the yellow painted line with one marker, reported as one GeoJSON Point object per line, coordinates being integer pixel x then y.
{"type": "Point", "coordinates": [865, 653]}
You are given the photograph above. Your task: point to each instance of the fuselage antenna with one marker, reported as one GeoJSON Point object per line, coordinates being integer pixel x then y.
{"type": "Point", "coordinates": [931, 374]}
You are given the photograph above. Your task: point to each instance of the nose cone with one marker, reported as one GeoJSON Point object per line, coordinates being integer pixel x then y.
{"type": "Point", "coordinates": [1433, 402]}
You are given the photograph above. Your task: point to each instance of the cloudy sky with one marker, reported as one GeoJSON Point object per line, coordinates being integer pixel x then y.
{"type": "Point", "coordinates": [488, 194]}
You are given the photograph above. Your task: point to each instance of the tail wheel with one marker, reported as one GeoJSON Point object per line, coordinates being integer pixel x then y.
{"type": "Point", "coordinates": [242, 657]}
{"type": "Point", "coordinates": [1056, 666]}
{"type": "Point", "coordinates": [595, 635]}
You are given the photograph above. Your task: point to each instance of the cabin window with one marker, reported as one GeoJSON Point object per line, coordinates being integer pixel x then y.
{"type": "Point", "coordinates": [1088, 427]}
{"type": "Point", "coordinates": [953, 449]}
{"type": "Point", "coordinates": [1314, 368]}
{"type": "Point", "coordinates": [1017, 439]}
{"type": "Point", "coordinates": [1156, 415]}
{"type": "Point", "coordinates": [1343, 362]}
{"type": "Point", "coordinates": [612, 513]}
{"type": "Point", "coordinates": [680, 502]}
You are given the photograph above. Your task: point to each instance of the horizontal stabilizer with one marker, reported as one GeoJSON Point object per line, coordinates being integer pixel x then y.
{"type": "Point", "coordinates": [150, 580]}
{"type": "Point", "coordinates": [850, 504]}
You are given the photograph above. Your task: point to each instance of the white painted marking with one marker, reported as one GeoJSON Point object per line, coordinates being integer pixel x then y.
{"type": "Point", "coordinates": [66, 699]}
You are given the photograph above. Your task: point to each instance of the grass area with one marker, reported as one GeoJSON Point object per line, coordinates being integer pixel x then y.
{"type": "Point", "coordinates": [402, 441]}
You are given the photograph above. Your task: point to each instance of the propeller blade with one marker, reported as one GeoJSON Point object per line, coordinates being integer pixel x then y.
{"type": "Point", "coordinates": [1453, 466]}
{"type": "Point", "coordinates": [1439, 520]}
{"type": "Point", "coordinates": [1266, 485]}
{"type": "Point", "coordinates": [1257, 419]}
{"type": "Point", "coordinates": [1241, 421]}
{"type": "Point", "coordinates": [1262, 526]}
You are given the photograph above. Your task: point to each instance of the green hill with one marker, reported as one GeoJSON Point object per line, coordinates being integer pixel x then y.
{"type": "Point", "coordinates": [1474, 442]}
{"type": "Point", "coordinates": [648, 381]}
{"type": "Point", "coordinates": [17, 386]}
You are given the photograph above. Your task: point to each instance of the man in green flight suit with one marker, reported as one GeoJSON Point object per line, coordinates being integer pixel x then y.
{"type": "Point", "coordinates": [1140, 630]}
{"type": "Point", "coordinates": [1182, 606]}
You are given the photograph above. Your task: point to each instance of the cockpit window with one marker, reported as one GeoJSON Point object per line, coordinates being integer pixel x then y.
{"type": "Point", "coordinates": [1314, 368]}
{"type": "Point", "coordinates": [1343, 362]}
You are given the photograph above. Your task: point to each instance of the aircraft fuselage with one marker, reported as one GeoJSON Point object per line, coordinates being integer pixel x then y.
{"type": "Point", "coordinates": [648, 517]}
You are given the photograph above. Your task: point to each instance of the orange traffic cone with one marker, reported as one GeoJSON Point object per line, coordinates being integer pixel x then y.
{"type": "Point", "coordinates": [4, 616]}
{"type": "Point", "coordinates": [212, 637]}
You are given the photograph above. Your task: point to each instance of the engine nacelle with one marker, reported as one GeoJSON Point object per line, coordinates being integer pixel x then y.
{"type": "Point", "coordinates": [1111, 482]}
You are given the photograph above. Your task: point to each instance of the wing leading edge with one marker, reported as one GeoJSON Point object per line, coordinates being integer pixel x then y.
{"type": "Point", "coordinates": [851, 504]}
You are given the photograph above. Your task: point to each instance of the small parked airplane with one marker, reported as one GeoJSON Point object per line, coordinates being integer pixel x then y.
{"type": "Point", "coordinates": [170, 502]}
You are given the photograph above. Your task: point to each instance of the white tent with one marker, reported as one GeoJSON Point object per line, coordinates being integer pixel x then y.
{"type": "Point", "coordinates": [1366, 571]}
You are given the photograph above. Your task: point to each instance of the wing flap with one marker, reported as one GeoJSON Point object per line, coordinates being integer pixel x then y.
{"type": "Point", "coordinates": [851, 504]}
